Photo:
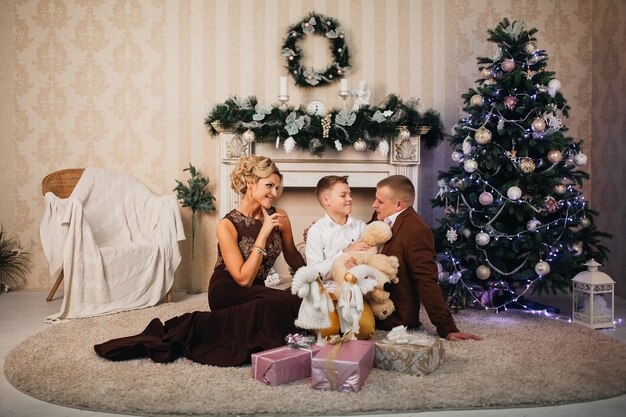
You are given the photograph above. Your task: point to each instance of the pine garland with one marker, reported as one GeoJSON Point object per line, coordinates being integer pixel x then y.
{"type": "Point", "coordinates": [295, 127]}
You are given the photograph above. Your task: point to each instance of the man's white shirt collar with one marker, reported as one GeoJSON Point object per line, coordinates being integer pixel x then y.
{"type": "Point", "coordinates": [390, 220]}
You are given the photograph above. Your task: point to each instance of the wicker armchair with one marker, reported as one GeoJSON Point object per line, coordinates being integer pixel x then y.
{"type": "Point", "coordinates": [61, 183]}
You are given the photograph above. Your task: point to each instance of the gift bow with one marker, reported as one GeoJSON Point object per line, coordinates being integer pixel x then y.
{"type": "Point", "coordinates": [299, 341]}
{"type": "Point", "coordinates": [332, 355]}
{"type": "Point", "coordinates": [399, 335]}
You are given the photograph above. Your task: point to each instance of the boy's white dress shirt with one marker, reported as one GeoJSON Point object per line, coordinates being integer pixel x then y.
{"type": "Point", "coordinates": [326, 240]}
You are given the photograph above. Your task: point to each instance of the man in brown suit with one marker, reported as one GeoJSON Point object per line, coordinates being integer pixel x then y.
{"type": "Point", "coordinates": [414, 245]}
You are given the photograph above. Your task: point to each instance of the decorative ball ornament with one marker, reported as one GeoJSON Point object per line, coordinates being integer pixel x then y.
{"type": "Point", "coordinates": [483, 272]}
{"type": "Point", "coordinates": [508, 65]}
{"type": "Point", "coordinates": [482, 135]}
{"type": "Point", "coordinates": [580, 159]}
{"type": "Point", "coordinates": [530, 48]}
{"type": "Point", "coordinates": [248, 136]}
{"type": "Point", "coordinates": [514, 193]}
{"type": "Point", "coordinates": [538, 125]}
{"type": "Point", "coordinates": [533, 224]}
{"type": "Point", "coordinates": [555, 156]}
{"type": "Point", "coordinates": [578, 248]}
{"type": "Point", "coordinates": [560, 188]}
{"type": "Point", "coordinates": [476, 100]}
{"type": "Point", "coordinates": [486, 73]}
{"type": "Point", "coordinates": [457, 156]}
{"type": "Point", "coordinates": [553, 87]}
{"type": "Point", "coordinates": [527, 165]}
{"type": "Point", "coordinates": [542, 268]}
{"type": "Point", "coordinates": [551, 204]}
{"type": "Point", "coordinates": [467, 233]}
{"type": "Point", "coordinates": [449, 211]}
{"type": "Point", "coordinates": [482, 239]}
{"type": "Point", "coordinates": [470, 165]}
{"type": "Point", "coordinates": [485, 198]}
{"type": "Point", "coordinates": [585, 222]}
{"type": "Point", "coordinates": [359, 145]}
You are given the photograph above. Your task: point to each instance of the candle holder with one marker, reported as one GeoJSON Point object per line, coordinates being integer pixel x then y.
{"type": "Point", "coordinates": [344, 96]}
{"type": "Point", "coordinates": [283, 101]}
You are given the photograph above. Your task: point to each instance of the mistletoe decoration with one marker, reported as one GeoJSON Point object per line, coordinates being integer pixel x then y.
{"type": "Point", "coordinates": [368, 128]}
{"type": "Point", "coordinates": [316, 24]}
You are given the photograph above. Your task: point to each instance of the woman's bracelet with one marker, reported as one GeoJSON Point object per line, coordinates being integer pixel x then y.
{"type": "Point", "coordinates": [260, 250]}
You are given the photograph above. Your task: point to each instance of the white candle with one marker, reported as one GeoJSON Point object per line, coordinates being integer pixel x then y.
{"type": "Point", "coordinates": [282, 86]}
{"type": "Point", "coordinates": [345, 85]}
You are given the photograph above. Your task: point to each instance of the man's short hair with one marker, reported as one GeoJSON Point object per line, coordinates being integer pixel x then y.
{"type": "Point", "coordinates": [401, 187]}
{"type": "Point", "coordinates": [328, 182]}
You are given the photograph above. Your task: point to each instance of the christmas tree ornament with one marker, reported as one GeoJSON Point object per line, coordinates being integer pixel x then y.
{"type": "Point", "coordinates": [585, 222]}
{"type": "Point", "coordinates": [451, 235]}
{"type": "Point", "coordinates": [577, 248]}
{"type": "Point", "coordinates": [553, 87]}
{"type": "Point", "coordinates": [476, 100]}
{"type": "Point", "coordinates": [555, 156]}
{"type": "Point", "coordinates": [483, 272]}
{"type": "Point", "coordinates": [467, 146]}
{"type": "Point", "coordinates": [508, 65]}
{"type": "Point", "coordinates": [485, 198]}
{"type": "Point", "coordinates": [467, 233]}
{"type": "Point", "coordinates": [359, 145]}
{"type": "Point", "coordinates": [482, 238]}
{"type": "Point", "coordinates": [514, 193]}
{"type": "Point", "coordinates": [510, 102]}
{"type": "Point", "coordinates": [470, 165]}
{"type": "Point", "coordinates": [526, 165]}
{"type": "Point", "coordinates": [486, 73]}
{"type": "Point", "coordinates": [580, 159]}
{"type": "Point", "coordinates": [530, 48]}
{"type": "Point", "coordinates": [551, 204]}
{"type": "Point", "coordinates": [533, 224]}
{"type": "Point", "coordinates": [449, 211]}
{"type": "Point", "coordinates": [542, 268]}
{"type": "Point", "coordinates": [538, 125]}
{"type": "Point", "coordinates": [457, 156]}
{"type": "Point", "coordinates": [482, 135]}
{"type": "Point", "coordinates": [248, 136]}
{"type": "Point", "coordinates": [560, 189]}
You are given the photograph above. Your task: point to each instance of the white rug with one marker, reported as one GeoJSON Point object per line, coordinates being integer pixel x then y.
{"type": "Point", "coordinates": [524, 360]}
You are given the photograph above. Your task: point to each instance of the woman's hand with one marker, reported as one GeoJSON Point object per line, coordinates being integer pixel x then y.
{"type": "Point", "coordinates": [271, 221]}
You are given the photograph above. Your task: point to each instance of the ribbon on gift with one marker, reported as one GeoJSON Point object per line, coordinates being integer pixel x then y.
{"type": "Point", "coordinates": [398, 335]}
{"type": "Point", "coordinates": [332, 355]}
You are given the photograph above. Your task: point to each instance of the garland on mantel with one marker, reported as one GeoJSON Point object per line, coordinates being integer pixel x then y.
{"type": "Point", "coordinates": [368, 128]}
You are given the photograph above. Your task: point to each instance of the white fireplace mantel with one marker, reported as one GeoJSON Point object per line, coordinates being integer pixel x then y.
{"type": "Point", "coordinates": [301, 169]}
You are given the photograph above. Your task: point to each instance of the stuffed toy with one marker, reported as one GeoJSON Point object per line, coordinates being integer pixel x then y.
{"type": "Point", "coordinates": [316, 302]}
{"type": "Point", "coordinates": [375, 234]}
{"type": "Point", "coordinates": [358, 280]}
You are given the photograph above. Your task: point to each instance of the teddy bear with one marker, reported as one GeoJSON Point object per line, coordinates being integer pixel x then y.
{"type": "Point", "coordinates": [316, 302]}
{"type": "Point", "coordinates": [375, 234]}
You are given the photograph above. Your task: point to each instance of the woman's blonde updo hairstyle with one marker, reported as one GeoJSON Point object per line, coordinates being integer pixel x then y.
{"type": "Point", "coordinates": [251, 169]}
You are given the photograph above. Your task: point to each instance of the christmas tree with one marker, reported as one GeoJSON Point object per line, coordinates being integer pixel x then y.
{"type": "Point", "coordinates": [515, 217]}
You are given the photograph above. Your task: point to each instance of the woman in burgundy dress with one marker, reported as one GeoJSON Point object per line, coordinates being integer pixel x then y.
{"type": "Point", "coordinates": [246, 316]}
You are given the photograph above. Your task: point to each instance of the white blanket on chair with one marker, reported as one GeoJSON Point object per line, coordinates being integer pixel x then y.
{"type": "Point", "coordinates": [116, 242]}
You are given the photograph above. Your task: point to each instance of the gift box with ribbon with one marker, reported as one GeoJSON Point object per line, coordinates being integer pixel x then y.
{"type": "Point", "coordinates": [408, 352]}
{"type": "Point", "coordinates": [284, 364]}
{"type": "Point", "coordinates": [343, 366]}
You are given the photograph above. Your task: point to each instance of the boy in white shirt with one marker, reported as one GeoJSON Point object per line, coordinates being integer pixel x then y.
{"type": "Point", "coordinates": [335, 233]}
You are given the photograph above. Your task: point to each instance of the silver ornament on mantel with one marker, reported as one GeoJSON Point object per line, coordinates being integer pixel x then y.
{"type": "Point", "coordinates": [542, 268]}
{"type": "Point", "coordinates": [248, 136]}
{"type": "Point", "coordinates": [482, 239]}
{"type": "Point", "coordinates": [359, 145]}
{"type": "Point", "coordinates": [483, 272]}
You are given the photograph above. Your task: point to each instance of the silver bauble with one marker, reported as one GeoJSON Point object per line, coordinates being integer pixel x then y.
{"type": "Point", "coordinates": [580, 159]}
{"type": "Point", "coordinates": [457, 156]}
{"type": "Point", "coordinates": [483, 272]}
{"type": "Point", "coordinates": [248, 136]}
{"type": "Point", "coordinates": [482, 238]}
{"type": "Point", "coordinates": [359, 145]}
{"type": "Point", "coordinates": [514, 193]}
{"type": "Point", "coordinates": [542, 268]}
{"type": "Point", "coordinates": [470, 165]}
{"type": "Point", "coordinates": [476, 100]}
{"type": "Point", "coordinates": [533, 224]}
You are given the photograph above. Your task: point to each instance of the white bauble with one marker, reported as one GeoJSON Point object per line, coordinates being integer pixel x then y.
{"type": "Point", "coordinates": [580, 159]}
{"type": "Point", "coordinates": [482, 238]}
{"type": "Point", "coordinates": [470, 165]}
{"type": "Point", "coordinates": [483, 272]}
{"type": "Point", "coordinates": [457, 156]}
{"type": "Point", "coordinates": [476, 100]}
{"type": "Point", "coordinates": [533, 224]}
{"type": "Point", "coordinates": [542, 268]}
{"type": "Point", "coordinates": [553, 87]}
{"type": "Point", "coordinates": [248, 136]}
{"type": "Point", "coordinates": [359, 145]}
{"type": "Point", "coordinates": [514, 193]}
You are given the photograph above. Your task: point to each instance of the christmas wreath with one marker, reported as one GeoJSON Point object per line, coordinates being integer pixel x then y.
{"type": "Point", "coordinates": [316, 24]}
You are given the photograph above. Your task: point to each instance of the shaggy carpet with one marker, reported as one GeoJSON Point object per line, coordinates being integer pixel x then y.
{"type": "Point", "coordinates": [524, 360]}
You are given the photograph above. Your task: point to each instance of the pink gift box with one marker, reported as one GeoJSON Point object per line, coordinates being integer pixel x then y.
{"type": "Point", "coordinates": [343, 367]}
{"type": "Point", "coordinates": [283, 364]}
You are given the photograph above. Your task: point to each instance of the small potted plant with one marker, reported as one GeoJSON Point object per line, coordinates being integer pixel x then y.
{"type": "Point", "coordinates": [195, 196]}
{"type": "Point", "coordinates": [13, 263]}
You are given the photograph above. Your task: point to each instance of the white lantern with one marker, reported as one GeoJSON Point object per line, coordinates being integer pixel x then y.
{"type": "Point", "coordinates": [593, 297]}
